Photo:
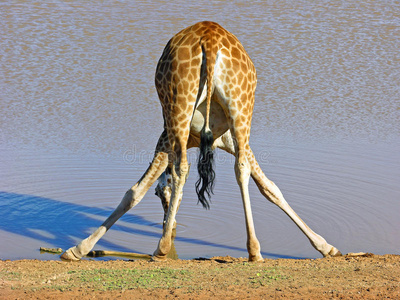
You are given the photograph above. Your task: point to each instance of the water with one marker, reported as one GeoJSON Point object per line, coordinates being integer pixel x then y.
{"type": "Point", "coordinates": [80, 118]}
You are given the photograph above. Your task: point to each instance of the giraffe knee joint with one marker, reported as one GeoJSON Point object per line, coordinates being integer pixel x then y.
{"type": "Point", "coordinates": [129, 200]}
{"type": "Point", "coordinates": [184, 169]}
{"type": "Point", "coordinates": [242, 170]}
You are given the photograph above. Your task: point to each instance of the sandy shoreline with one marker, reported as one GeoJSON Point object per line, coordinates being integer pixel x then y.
{"type": "Point", "coordinates": [368, 277]}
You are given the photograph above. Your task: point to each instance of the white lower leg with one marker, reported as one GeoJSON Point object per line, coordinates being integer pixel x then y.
{"type": "Point", "coordinates": [242, 171]}
{"type": "Point", "coordinates": [164, 245]}
{"type": "Point", "coordinates": [272, 193]}
{"type": "Point", "coordinates": [86, 245]}
{"type": "Point", "coordinates": [132, 198]}
{"type": "Point", "coordinates": [317, 241]}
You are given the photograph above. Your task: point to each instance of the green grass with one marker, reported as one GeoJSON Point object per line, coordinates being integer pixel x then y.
{"type": "Point", "coordinates": [117, 279]}
{"type": "Point", "coordinates": [10, 275]}
{"type": "Point", "coordinates": [109, 279]}
{"type": "Point", "coordinates": [267, 276]}
{"type": "Point", "coordinates": [152, 277]}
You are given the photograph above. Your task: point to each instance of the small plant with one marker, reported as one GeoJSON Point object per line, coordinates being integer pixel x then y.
{"type": "Point", "coordinates": [268, 276]}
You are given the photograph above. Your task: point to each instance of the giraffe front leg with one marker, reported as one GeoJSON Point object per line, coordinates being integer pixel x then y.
{"type": "Point", "coordinates": [273, 194]}
{"type": "Point", "coordinates": [132, 198]}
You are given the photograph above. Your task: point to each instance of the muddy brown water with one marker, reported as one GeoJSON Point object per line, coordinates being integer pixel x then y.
{"type": "Point", "coordinates": [80, 118]}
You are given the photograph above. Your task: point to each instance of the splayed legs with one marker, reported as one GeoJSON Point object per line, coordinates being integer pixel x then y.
{"type": "Point", "coordinates": [132, 198]}
{"type": "Point", "coordinates": [273, 194]}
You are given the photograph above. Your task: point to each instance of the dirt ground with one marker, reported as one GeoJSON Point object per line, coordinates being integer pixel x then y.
{"type": "Point", "coordinates": [366, 277]}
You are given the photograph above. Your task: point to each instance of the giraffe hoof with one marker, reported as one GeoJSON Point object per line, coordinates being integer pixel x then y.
{"type": "Point", "coordinates": [334, 252]}
{"type": "Point", "coordinates": [256, 258]}
{"type": "Point", "coordinates": [69, 256]}
{"type": "Point", "coordinates": [158, 258]}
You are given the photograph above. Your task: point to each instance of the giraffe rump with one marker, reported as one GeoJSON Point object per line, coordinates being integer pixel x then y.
{"type": "Point", "coordinates": [205, 163]}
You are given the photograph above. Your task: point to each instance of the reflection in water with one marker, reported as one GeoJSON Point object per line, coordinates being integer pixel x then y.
{"type": "Point", "coordinates": [80, 119]}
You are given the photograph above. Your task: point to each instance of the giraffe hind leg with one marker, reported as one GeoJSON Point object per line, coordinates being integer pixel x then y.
{"type": "Point", "coordinates": [180, 169]}
{"type": "Point", "coordinates": [271, 192]}
{"type": "Point", "coordinates": [164, 191]}
{"type": "Point", "coordinates": [242, 171]}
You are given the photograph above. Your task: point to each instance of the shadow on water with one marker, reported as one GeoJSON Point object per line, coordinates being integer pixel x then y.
{"type": "Point", "coordinates": [61, 224]}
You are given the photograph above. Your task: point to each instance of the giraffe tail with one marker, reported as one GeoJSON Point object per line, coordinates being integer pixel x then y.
{"type": "Point", "coordinates": [205, 164]}
{"type": "Point", "coordinates": [205, 183]}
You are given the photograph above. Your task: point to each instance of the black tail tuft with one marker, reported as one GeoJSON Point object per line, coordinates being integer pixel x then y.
{"type": "Point", "coordinates": [205, 184]}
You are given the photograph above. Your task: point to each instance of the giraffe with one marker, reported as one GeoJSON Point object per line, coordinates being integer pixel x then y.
{"type": "Point", "coordinates": [206, 85]}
